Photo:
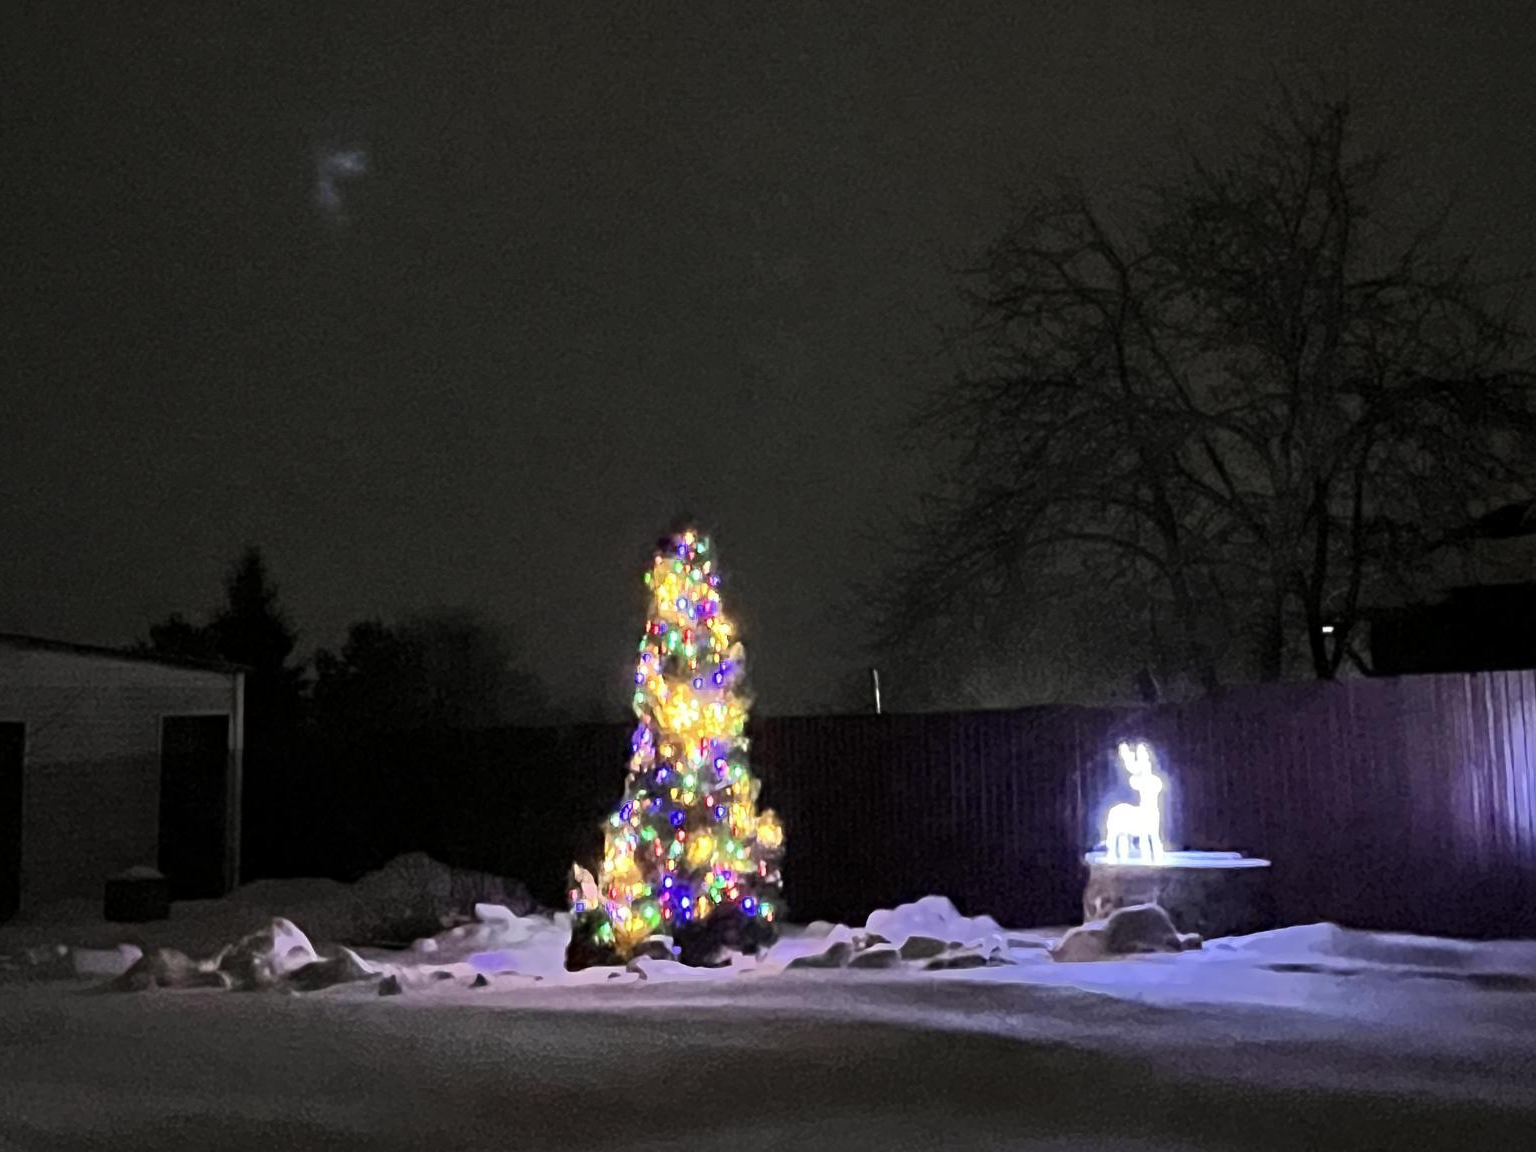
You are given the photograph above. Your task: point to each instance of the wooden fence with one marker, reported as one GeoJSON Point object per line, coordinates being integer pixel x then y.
{"type": "Point", "coordinates": [1405, 803]}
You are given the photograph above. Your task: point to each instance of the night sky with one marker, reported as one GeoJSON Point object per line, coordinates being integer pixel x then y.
{"type": "Point", "coordinates": [460, 303]}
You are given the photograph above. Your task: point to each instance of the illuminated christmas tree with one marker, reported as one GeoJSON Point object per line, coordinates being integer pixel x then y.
{"type": "Point", "coordinates": [686, 855]}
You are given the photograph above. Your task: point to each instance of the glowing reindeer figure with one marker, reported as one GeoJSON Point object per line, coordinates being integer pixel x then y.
{"type": "Point", "coordinates": [1141, 822]}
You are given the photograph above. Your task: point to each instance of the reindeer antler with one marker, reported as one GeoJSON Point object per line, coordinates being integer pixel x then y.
{"type": "Point", "coordinates": [1137, 759]}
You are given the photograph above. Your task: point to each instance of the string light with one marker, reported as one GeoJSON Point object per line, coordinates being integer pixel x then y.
{"type": "Point", "coordinates": [685, 844]}
{"type": "Point", "coordinates": [1137, 825]}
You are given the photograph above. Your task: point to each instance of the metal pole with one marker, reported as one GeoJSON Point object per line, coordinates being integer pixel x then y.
{"type": "Point", "coordinates": [874, 675]}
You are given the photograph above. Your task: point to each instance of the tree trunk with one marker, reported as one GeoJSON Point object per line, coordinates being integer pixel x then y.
{"type": "Point", "coordinates": [1272, 645]}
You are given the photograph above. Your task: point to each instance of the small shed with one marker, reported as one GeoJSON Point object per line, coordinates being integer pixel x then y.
{"type": "Point", "coordinates": [111, 760]}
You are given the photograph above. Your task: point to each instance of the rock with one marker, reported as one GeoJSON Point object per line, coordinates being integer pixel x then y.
{"type": "Point", "coordinates": [480, 981]}
{"type": "Point", "coordinates": [1210, 893]}
{"type": "Point", "coordinates": [876, 956]}
{"type": "Point", "coordinates": [835, 955]}
{"type": "Point", "coordinates": [863, 940]}
{"type": "Point", "coordinates": [347, 967]}
{"type": "Point", "coordinates": [711, 942]}
{"type": "Point", "coordinates": [264, 957]}
{"type": "Point", "coordinates": [957, 958]}
{"type": "Point", "coordinates": [55, 962]}
{"type": "Point", "coordinates": [1081, 945]}
{"type": "Point", "coordinates": [922, 947]}
{"type": "Point", "coordinates": [1140, 928]}
{"type": "Point", "coordinates": [168, 968]}
{"type": "Point", "coordinates": [654, 948]}
{"type": "Point", "coordinates": [390, 985]}
{"type": "Point", "coordinates": [438, 976]}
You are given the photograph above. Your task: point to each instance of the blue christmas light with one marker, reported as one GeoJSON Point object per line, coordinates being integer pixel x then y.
{"type": "Point", "coordinates": [670, 840]}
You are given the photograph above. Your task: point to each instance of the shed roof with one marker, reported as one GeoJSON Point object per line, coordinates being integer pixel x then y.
{"type": "Point", "coordinates": [100, 652]}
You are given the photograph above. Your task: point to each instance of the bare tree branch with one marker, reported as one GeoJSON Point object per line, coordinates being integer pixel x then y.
{"type": "Point", "coordinates": [1266, 406]}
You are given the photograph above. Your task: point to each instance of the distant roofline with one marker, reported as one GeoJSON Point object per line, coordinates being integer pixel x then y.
{"type": "Point", "coordinates": [1450, 596]}
{"type": "Point", "coordinates": [1506, 522]}
{"type": "Point", "coordinates": [19, 640]}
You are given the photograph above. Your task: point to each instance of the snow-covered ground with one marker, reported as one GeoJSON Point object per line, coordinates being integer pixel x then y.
{"type": "Point", "coordinates": [1307, 1038]}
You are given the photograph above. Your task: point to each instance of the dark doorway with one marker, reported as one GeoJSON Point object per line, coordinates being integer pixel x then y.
{"type": "Point", "coordinates": [13, 747]}
{"type": "Point", "coordinates": [194, 773]}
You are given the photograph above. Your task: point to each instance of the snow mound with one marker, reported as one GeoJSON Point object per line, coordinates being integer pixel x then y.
{"type": "Point", "coordinates": [927, 928]}
{"type": "Point", "coordinates": [99, 962]}
{"type": "Point", "coordinates": [415, 895]}
{"type": "Point", "coordinates": [62, 962]}
{"type": "Point", "coordinates": [497, 932]}
{"type": "Point", "coordinates": [503, 942]}
{"type": "Point", "coordinates": [1327, 947]}
{"type": "Point", "coordinates": [936, 918]}
{"type": "Point", "coordinates": [50, 963]}
{"type": "Point", "coordinates": [657, 971]}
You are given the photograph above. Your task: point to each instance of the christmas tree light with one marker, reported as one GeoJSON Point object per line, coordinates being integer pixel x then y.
{"type": "Point", "coordinates": [686, 853]}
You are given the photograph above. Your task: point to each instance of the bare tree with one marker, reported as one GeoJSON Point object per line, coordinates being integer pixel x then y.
{"type": "Point", "coordinates": [1240, 409]}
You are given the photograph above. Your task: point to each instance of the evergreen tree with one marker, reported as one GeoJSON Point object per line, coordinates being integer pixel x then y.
{"type": "Point", "coordinates": [250, 629]}
{"type": "Point", "coordinates": [686, 853]}
{"type": "Point", "coordinates": [448, 670]}
{"type": "Point", "coordinates": [177, 636]}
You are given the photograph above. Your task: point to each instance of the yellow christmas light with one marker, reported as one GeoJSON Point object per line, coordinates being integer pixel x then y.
{"type": "Point", "coordinates": [686, 843]}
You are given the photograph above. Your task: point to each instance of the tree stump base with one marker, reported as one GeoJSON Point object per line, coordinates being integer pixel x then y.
{"type": "Point", "coordinates": [1212, 894]}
